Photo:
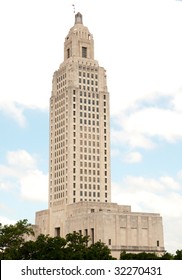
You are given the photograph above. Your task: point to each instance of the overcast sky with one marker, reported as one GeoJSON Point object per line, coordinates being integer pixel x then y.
{"type": "Point", "coordinates": [139, 43]}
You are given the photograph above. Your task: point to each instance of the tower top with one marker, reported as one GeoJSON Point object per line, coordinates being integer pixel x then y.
{"type": "Point", "coordinates": [78, 18]}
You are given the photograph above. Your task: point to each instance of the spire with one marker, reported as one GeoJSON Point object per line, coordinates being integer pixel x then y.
{"type": "Point", "coordinates": [78, 18]}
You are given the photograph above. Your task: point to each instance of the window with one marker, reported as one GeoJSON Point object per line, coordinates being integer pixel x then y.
{"type": "Point", "coordinates": [92, 235]}
{"type": "Point", "coordinates": [68, 53]}
{"type": "Point", "coordinates": [84, 52]}
{"type": "Point", "coordinates": [57, 231]}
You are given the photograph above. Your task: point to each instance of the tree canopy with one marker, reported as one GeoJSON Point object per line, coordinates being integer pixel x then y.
{"type": "Point", "coordinates": [150, 256]}
{"type": "Point", "coordinates": [73, 247]}
{"type": "Point", "coordinates": [13, 246]}
{"type": "Point", "coordinates": [12, 237]}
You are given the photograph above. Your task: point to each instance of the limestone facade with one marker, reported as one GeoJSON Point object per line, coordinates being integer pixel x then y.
{"type": "Point", "coordinates": [113, 224]}
{"type": "Point", "coordinates": [79, 157]}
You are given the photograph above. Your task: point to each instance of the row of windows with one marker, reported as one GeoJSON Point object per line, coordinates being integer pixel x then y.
{"type": "Point", "coordinates": [89, 129]}
{"type": "Point", "coordinates": [94, 159]}
{"type": "Point", "coordinates": [87, 101]}
{"type": "Point", "coordinates": [59, 167]}
{"type": "Point", "coordinates": [58, 174]}
{"type": "Point", "coordinates": [62, 77]}
{"type": "Point", "coordinates": [81, 163]}
{"type": "Point", "coordinates": [89, 157]}
{"type": "Point", "coordinates": [60, 115]}
{"type": "Point", "coordinates": [98, 200]}
{"type": "Point", "coordinates": [82, 193]}
{"type": "Point", "coordinates": [89, 143]}
{"type": "Point", "coordinates": [85, 157]}
{"type": "Point", "coordinates": [89, 108]}
{"type": "Point", "coordinates": [85, 108]}
{"type": "Point", "coordinates": [60, 155]}
{"type": "Point", "coordinates": [91, 172]}
{"type": "Point", "coordinates": [59, 188]}
{"type": "Point", "coordinates": [89, 94]}
{"type": "Point", "coordinates": [57, 99]}
{"type": "Point", "coordinates": [89, 150]}
{"type": "Point", "coordinates": [62, 90]}
{"type": "Point", "coordinates": [60, 139]}
{"type": "Point", "coordinates": [61, 110]}
{"type": "Point", "coordinates": [88, 82]}
{"type": "Point", "coordinates": [89, 186]}
{"type": "Point", "coordinates": [58, 195]}
{"type": "Point", "coordinates": [94, 179]}
{"type": "Point", "coordinates": [88, 75]}
{"type": "Point", "coordinates": [82, 186]}
{"type": "Point", "coordinates": [94, 194]}
{"type": "Point", "coordinates": [89, 122]}
{"type": "Point", "coordinates": [83, 87]}
{"type": "Point", "coordinates": [60, 85]}
{"type": "Point", "coordinates": [58, 181]}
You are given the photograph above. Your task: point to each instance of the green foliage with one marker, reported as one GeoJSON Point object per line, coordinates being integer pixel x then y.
{"type": "Point", "coordinates": [44, 248]}
{"type": "Point", "coordinates": [138, 256]}
{"type": "Point", "coordinates": [178, 255]}
{"type": "Point", "coordinates": [150, 256]}
{"type": "Point", "coordinates": [76, 248]}
{"type": "Point", "coordinates": [99, 251]}
{"type": "Point", "coordinates": [12, 237]}
{"type": "Point", "coordinates": [73, 247]}
{"type": "Point", "coordinates": [167, 256]}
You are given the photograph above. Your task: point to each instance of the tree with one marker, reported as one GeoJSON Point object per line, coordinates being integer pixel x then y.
{"type": "Point", "coordinates": [99, 251]}
{"type": "Point", "coordinates": [73, 247]}
{"type": "Point", "coordinates": [12, 237]}
{"type": "Point", "coordinates": [167, 256]}
{"type": "Point", "coordinates": [178, 255]}
{"type": "Point", "coordinates": [150, 256]}
{"type": "Point", "coordinates": [138, 256]}
{"type": "Point", "coordinates": [76, 246]}
{"type": "Point", "coordinates": [44, 248]}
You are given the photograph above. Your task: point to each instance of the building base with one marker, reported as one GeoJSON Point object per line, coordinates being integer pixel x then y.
{"type": "Point", "coordinates": [113, 224]}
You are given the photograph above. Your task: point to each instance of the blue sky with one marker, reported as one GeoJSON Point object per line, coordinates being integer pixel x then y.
{"type": "Point", "coordinates": [139, 43]}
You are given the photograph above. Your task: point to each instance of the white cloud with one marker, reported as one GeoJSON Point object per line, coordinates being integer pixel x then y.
{"type": "Point", "coordinates": [130, 138]}
{"type": "Point", "coordinates": [6, 221]}
{"type": "Point", "coordinates": [5, 185]}
{"type": "Point", "coordinates": [21, 159]}
{"type": "Point", "coordinates": [177, 101]}
{"type": "Point", "coordinates": [133, 157]}
{"type": "Point", "coordinates": [143, 127]}
{"type": "Point", "coordinates": [115, 153]}
{"type": "Point", "coordinates": [34, 186]}
{"type": "Point", "coordinates": [13, 111]}
{"type": "Point", "coordinates": [155, 122]}
{"type": "Point", "coordinates": [22, 168]}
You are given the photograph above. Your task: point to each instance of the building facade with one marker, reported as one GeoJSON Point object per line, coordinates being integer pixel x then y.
{"type": "Point", "coordinates": [79, 157]}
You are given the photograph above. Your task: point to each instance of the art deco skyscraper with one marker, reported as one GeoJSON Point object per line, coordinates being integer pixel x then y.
{"type": "Point", "coordinates": [79, 124]}
{"type": "Point", "coordinates": [79, 160]}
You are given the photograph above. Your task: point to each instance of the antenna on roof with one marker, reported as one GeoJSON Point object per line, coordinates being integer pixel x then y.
{"type": "Point", "coordinates": [73, 8]}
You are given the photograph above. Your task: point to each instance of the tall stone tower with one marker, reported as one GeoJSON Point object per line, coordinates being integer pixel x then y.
{"type": "Point", "coordinates": [79, 125]}
{"type": "Point", "coordinates": [79, 158]}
